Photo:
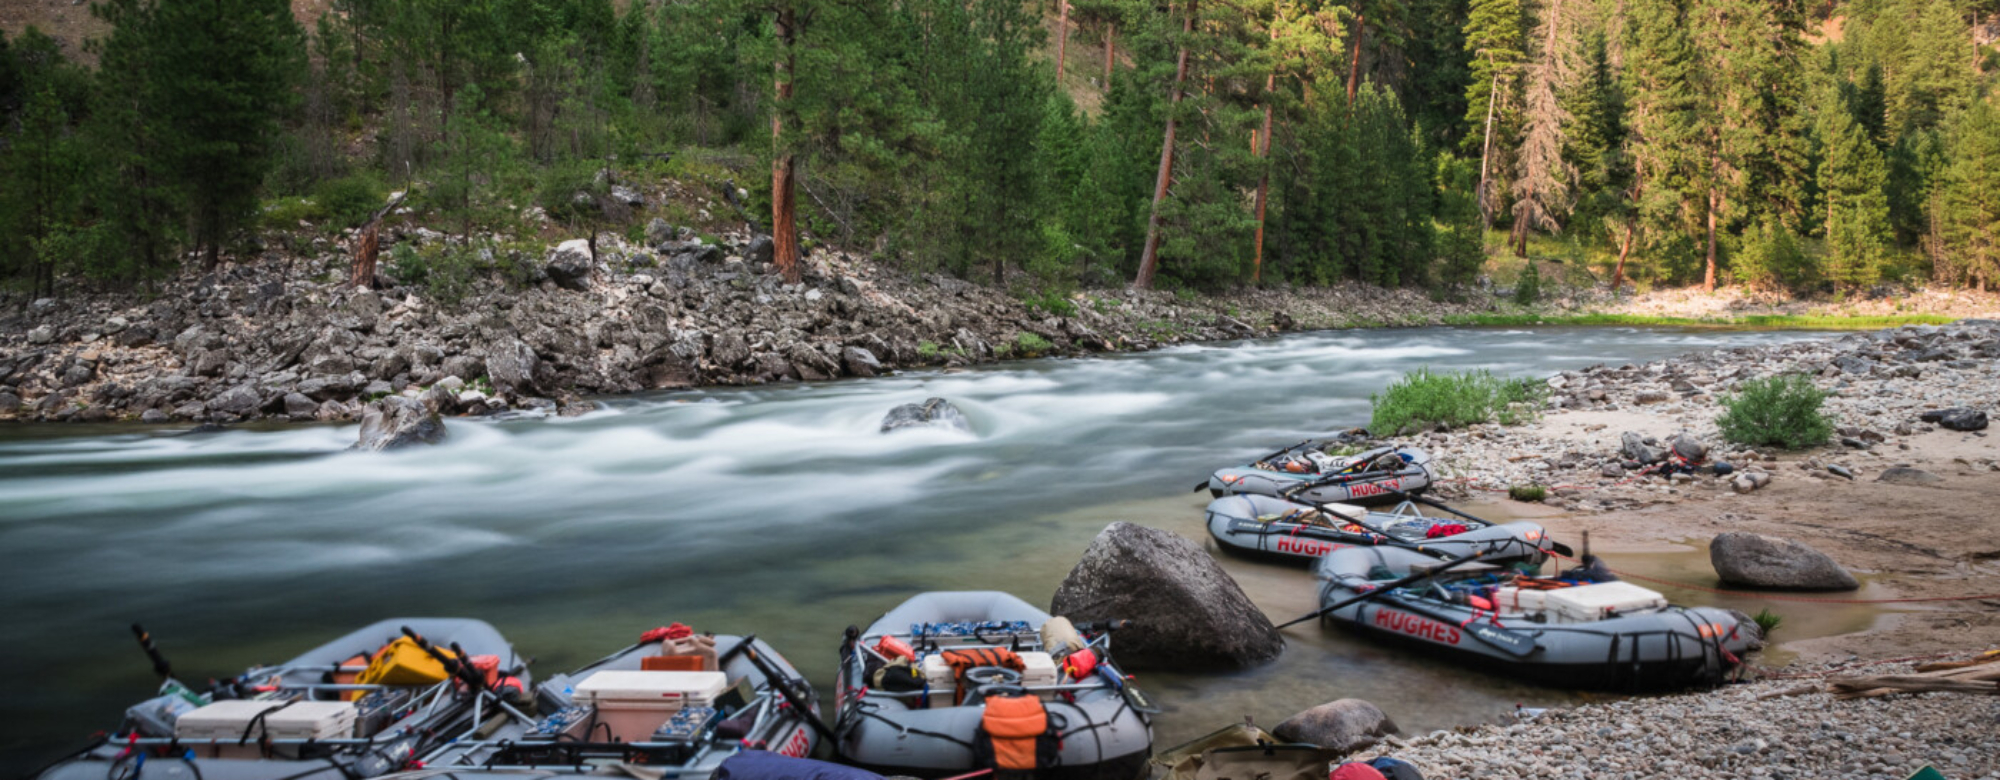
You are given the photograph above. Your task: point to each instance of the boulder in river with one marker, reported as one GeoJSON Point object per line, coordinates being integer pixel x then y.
{"type": "Point", "coordinates": [1185, 611]}
{"type": "Point", "coordinates": [1956, 419]}
{"type": "Point", "coordinates": [1345, 725]}
{"type": "Point", "coordinates": [511, 365]}
{"type": "Point", "coordinates": [396, 422]}
{"type": "Point", "coordinates": [1771, 562]}
{"type": "Point", "coordinates": [933, 412]}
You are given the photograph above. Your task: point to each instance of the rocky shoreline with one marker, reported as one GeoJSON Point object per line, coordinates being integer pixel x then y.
{"type": "Point", "coordinates": [1745, 731]}
{"type": "Point", "coordinates": [280, 339]}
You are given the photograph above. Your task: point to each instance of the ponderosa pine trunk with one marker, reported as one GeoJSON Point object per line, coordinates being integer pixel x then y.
{"type": "Point", "coordinates": [1624, 250]}
{"type": "Point", "coordinates": [1062, 35]}
{"type": "Point", "coordinates": [1264, 179]}
{"type": "Point", "coordinates": [784, 199]}
{"type": "Point", "coordinates": [1714, 203]}
{"type": "Point", "coordinates": [1354, 58]}
{"type": "Point", "coordinates": [1110, 52]}
{"type": "Point", "coordinates": [1149, 259]}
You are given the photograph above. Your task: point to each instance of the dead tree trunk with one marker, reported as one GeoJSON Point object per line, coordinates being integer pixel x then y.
{"type": "Point", "coordinates": [369, 244]}
{"type": "Point", "coordinates": [1149, 259]}
{"type": "Point", "coordinates": [1264, 179]}
{"type": "Point", "coordinates": [1110, 52]}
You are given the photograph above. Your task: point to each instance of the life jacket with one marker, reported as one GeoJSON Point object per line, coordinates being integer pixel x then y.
{"type": "Point", "coordinates": [962, 661]}
{"type": "Point", "coordinates": [1016, 734]}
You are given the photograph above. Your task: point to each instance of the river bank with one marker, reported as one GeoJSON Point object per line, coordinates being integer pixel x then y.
{"type": "Point", "coordinates": [284, 338]}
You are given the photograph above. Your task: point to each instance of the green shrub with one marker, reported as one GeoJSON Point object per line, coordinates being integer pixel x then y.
{"type": "Point", "coordinates": [1030, 345]}
{"type": "Point", "coordinates": [1528, 493]}
{"type": "Point", "coordinates": [1051, 302]}
{"type": "Point", "coordinates": [1528, 289]}
{"type": "Point", "coordinates": [1767, 621]}
{"type": "Point", "coordinates": [1455, 398]}
{"type": "Point", "coordinates": [287, 213]}
{"type": "Point", "coordinates": [347, 202]}
{"type": "Point", "coordinates": [1781, 411]}
{"type": "Point", "coordinates": [927, 350]}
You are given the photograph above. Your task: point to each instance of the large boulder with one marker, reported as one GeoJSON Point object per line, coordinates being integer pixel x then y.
{"type": "Point", "coordinates": [1957, 419]}
{"type": "Point", "coordinates": [240, 400]}
{"type": "Point", "coordinates": [932, 413]}
{"type": "Point", "coordinates": [1345, 725]}
{"type": "Point", "coordinates": [511, 365]}
{"type": "Point", "coordinates": [860, 362]}
{"type": "Point", "coordinates": [570, 265]}
{"type": "Point", "coordinates": [1770, 562]}
{"type": "Point", "coordinates": [396, 422]}
{"type": "Point", "coordinates": [1185, 611]}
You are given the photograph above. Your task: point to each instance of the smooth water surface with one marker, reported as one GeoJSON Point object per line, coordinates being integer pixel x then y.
{"type": "Point", "coordinates": [779, 511]}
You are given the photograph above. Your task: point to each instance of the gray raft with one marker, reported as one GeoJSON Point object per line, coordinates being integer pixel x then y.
{"type": "Point", "coordinates": [757, 712]}
{"type": "Point", "coordinates": [1106, 727]}
{"type": "Point", "coordinates": [1273, 527]}
{"type": "Point", "coordinates": [423, 724]}
{"type": "Point", "coordinates": [1638, 642]}
{"type": "Point", "coordinates": [1367, 478]}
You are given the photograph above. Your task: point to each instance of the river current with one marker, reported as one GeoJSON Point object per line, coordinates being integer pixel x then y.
{"type": "Point", "coordinates": [778, 511]}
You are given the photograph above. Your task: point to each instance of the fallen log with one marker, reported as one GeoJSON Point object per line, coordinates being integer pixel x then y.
{"type": "Point", "coordinates": [1882, 685]}
{"type": "Point", "coordinates": [1987, 657]}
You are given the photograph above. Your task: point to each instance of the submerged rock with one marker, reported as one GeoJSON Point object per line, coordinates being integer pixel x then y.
{"type": "Point", "coordinates": [933, 412]}
{"type": "Point", "coordinates": [397, 422]}
{"type": "Point", "coordinates": [1771, 562]}
{"type": "Point", "coordinates": [1345, 725]}
{"type": "Point", "coordinates": [1185, 610]}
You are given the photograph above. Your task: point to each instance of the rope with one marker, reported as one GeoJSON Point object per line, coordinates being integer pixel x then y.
{"type": "Point", "coordinates": [1780, 597]}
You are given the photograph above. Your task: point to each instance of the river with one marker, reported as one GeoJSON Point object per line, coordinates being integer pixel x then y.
{"type": "Point", "coordinates": [776, 510]}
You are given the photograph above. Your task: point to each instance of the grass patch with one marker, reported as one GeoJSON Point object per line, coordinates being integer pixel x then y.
{"type": "Point", "coordinates": [1782, 411]}
{"type": "Point", "coordinates": [1767, 621]}
{"type": "Point", "coordinates": [1529, 493]}
{"type": "Point", "coordinates": [1029, 345]}
{"type": "Point", "coordinates": [1771, 321]}
{"type": "Point", "coordinates": [1423, 398]}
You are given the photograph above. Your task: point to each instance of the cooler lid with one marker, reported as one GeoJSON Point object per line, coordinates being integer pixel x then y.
{"type": "Point", "coordinates": [640, 686]}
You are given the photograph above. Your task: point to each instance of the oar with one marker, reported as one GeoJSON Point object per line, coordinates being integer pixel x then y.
{"type": "Point", "coordinates": [1559, 547]}
{"type": "Point", "coordinates": [463, 671]}
{"type": "Point", "coordinates": [160, 665]}
{"type": "Point", "coordinates": [1383, 589]}
{"type": "Point", "coordinates": [1203, 485]}
{"type": "Point", "coordinates": [779, 680]}
{"type": "Point", "coordinates": [1333, 479]}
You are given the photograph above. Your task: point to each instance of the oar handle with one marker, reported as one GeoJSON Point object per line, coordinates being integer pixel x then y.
{"type": "Point", "coordinates": [452, 666]}
{"type": "Point", "coordinates": [160, 665]}
{"type": "Point", "coordinates": [782, 682]}
{"type": "Point", "coordinates": [1381, 590]}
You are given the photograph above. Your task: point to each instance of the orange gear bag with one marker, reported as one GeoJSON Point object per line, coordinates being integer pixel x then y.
{"type": "Point", "coordinates": [1017, 734]}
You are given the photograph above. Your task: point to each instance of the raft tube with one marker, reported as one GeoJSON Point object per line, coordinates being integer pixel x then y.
{"type": "Point", "coordinates": [1354, 479]}
{"type": "Point", "coordinates": [440, 713]}
{"type": "Point", "coordinates": [1656, 648]}
{"type": "Point", "coordinates": [754, 714]}
{"type": "Point", "coordinates": [1263, 526]}
{"type": "Point", "coordinates": [1105, 727]}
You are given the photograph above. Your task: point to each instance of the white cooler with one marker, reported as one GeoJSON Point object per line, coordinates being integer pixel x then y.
{"type": "Point", "coordinates": [943, 684]}
{"type": "Point", "coordinates": [227, 721]}
{"type": "Point", "coordinates": [634, 704]}
{"type": "Point", "coordinates": [1590, 603]}
{"type": "Point", "coordinates": [1040, 671]}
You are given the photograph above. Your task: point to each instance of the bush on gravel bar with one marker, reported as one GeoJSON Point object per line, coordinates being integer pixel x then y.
{"type": "Point", "coordinates": [1454, 399]}
{"type": "Point", "coordinates": [1781, 411]}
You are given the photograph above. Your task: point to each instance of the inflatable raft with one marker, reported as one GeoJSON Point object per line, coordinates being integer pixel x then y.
{"type": "Point", "coordinates": [953, 682]}
{"type": "Point", "coordinates": [1368, 478]}
{"type": "Point", "coordinates": [364, 705]}
{"type": "Point", "coordinates": [1273, 527]}
{"type": "Point", "coordinates": [1610, 635]}
{"type": "Point", "coordinates": [674, 701]}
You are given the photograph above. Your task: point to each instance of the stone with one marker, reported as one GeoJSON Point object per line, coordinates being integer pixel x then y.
{"type": "Point", "coordinates": [569, 265]}
{"type": "Point", "coordinates": [1651, 397]}
{"type": "Point", "coordinates": [1343, 725]}
{"type": "Point", "coordinates": [1689, 447]}
{"type": "Point", "coordinates": [761, 250]}
{"type": "Point", "coordinates": [1634, 447]}
{"type": "Point", "coordinates": [239, 400]}
{"type": "Point", "coordinates": [1903, 475]}
{"type": "Point", "coordinates": [41, 335]}
{"type": "Point", "coordinates": [9, 403]}
{"type": "Point", "coordinates": [860, 362]}
{"type": "Point", "coordinates": [1185, 611]}
{"type": "Point", "coordinates": [932, 413]}
{"type": "Point", "coordinates": [627, 196]}
{"type": "Point", "coordinates": [1772, 562]}
{"type": "Point", "coordinates": [1956, 419]}
{"type": "Point", "coordinates": [300, 407]}
{"type": "Point", "coordinates": [397, 422]}
{"type": "Point", "coordinates": [154, 417]}
{"type": "Point", "coordinates": [1840, 471]}
{"type": "Point", "coordinates": [1854, 364]}
{"type": "Point", "coordinates": [1282, 321]}
{"type": "Point", "coordinates": [511, 364]}
{"type": "Point", "coordinates": [658, 232]}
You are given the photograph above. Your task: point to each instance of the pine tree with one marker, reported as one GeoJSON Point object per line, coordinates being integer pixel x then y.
{"type": "Point", "coordinates": [1969, 210]}
{"type": "Point", "coordinates": [1495, 37]}
{"type": "Point", "coordinates": [1857, 212]}
{"type": "Point", "coordinates": [1543, 177]}
{"type": "Point", "coordinates": [1669, 140]}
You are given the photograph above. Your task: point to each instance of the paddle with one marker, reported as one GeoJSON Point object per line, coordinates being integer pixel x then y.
{"type": "Point", "coordinates": [780, 681]}
{"type": "Point", "coordinates": [1203, 485]}
{"type": "Point", "coordinates": [1559, 547]}
{"type": "Point", "coordinates": [1384, 589]}
{"type": "Point", "coordinates": [160, 665]}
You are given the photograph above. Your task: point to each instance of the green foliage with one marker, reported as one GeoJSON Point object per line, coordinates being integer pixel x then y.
{"type": "Point", "coordinates": [1773, 259]}
{"type": "Point", "coordinates": [1050, 302]}
{"type": "Point", "coordinates": [1782, 411]}
{"type": "Point", "coordinates": [1527, 493]}
{"type": "Point", "coordinates": [349, 200]}
{"type": "Point", "coordinates": [1453, 398]}
{"type": "Point", "coordinates": [1029, 345]}
{"type": "Point", "coordinates": [1528, 289]}
{"type": "Point", "coordinates": [1767, 622]}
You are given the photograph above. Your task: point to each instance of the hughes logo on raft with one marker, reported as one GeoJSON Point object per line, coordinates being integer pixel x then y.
{"type": "Point", "coordinates": [1416, 627]}
{"type": "Point", "coordinates": [1374, 489]}
{"type": "Point", "coordinates": [1303, 546]}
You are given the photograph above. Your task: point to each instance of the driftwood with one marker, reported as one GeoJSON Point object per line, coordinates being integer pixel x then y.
{"type": "Point", "coordinates": [1978, 675]}
{"type": "Point", "coordinates": [369, 244]}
